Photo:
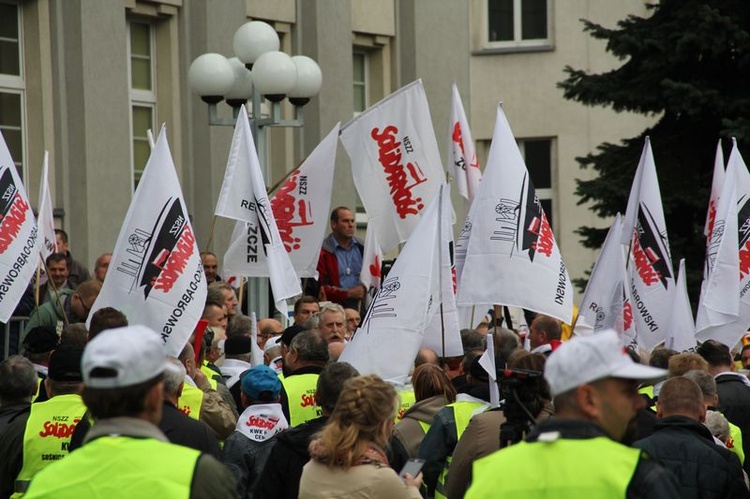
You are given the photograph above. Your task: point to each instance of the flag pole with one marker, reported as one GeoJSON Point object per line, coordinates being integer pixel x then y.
{"type": "Point", "coordinates": [211, 234]}
{"type": "Point", "coordinates": [242, 290]}
{"type": "Point", "coordinates": [284, 178]}
{"type": "Point", "coordinates": [471, 321]}
{"type": "Point", "coordinates": [37, 284]}
{"type": "Point", "coordinates": [440, 273]}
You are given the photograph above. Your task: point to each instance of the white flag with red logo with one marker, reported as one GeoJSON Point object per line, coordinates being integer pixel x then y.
{"type": "Point", "coordinates": [463, 162]}
{"type": "Point", "coordinates": [724, 307]}
{"type": "Point", "coordinates": [20, 241]}
{"type": "Point", "coordinates": [395, 162]}
{"type": "Point", "coordinates": [302, 204]}
{"type": "Point", "coordinates": [392, 330]}
{"type": "Point", "coordinates": [45, 218]}
{"type": "Point", "coordinates": [256, 248]}
{"type": "Point", "coordinates": [712, 244]}
{"type": "Point", "coordinates": [443, 334]}
{"type": "Point", "coordinates": [156, 276]}
{"type": "Point", "coordinates": [602, 303]}
{"type": "Point", "coordinates": [650, 267]}
{"type": "Point", "coordinates": [681, 329]}
{"type": "Point", "coordinates": [372, 265]}
{"type": "Point", "coordinates": [512, 257]}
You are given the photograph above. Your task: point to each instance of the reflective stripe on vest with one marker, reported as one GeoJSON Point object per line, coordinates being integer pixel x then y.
{"type": "Point", "coordinates": [300, 393]}
{"type": "Point", "coordinates": [190, 401]}
{"type": "Point", "coordinates": [462, 413]}
{"type": "Point", "coordinates": [120, 467]}
{"type": "Point", "coordinates": [46, 438]}
{"type": "Point", "coordinates": [407, 398]}
{"type": "Point", "coordinates": [591, 468]}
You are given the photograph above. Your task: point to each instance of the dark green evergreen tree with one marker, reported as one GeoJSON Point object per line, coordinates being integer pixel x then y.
{"type": "Point", "coordinates": [688, 64]}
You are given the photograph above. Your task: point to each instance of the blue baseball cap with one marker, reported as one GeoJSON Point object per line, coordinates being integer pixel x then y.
{"type": "Point", "coordinates": [261, 379]}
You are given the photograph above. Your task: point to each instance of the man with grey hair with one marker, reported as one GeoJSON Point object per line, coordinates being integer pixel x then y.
{"type": "Point", "coordinates": [240, 325]}
{"type": "Point", "coordinates": [332, 323]}
{"type": "Point", "coordinates": [178, 427]}
{"type": "Point", "coordinates": [18, 383]}
{"type": "Point", "coordinates": [222, 290]}
{"type": "Point", "coordinates": [305, 359]}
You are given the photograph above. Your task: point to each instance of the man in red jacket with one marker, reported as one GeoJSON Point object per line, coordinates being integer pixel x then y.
{"type": "Point", "coordinates": [341, 261]}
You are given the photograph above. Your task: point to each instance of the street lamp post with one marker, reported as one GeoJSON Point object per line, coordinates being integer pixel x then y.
{"type": "Point", "coordinates": [259, 72]}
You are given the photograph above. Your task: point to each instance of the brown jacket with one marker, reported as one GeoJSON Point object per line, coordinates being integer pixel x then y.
{"type": "Point", "coordinates": [481, 438]}
{"type": "Point", "coordinates": [365, 481]}
{"type": "Point", "coordinates": [409, 433]}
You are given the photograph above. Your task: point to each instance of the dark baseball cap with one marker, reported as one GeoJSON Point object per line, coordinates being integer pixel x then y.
{"type": "Point", "coordinates": [238, 345]}
{"type": "Point", "coordinates": [41, 339]}
{"type": "Point", "coordinates": [65, 364]}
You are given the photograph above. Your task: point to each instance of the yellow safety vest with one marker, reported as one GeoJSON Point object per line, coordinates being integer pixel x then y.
{"type": "Point", "coordinates": [300, 393]}
{"type": "Point", "coordinates": [407, 398]}
{"type": "Point", "coordinates": [46, 438]}
{"type": "Point", "coordinates": [590, 468]}
{"type": "Point", "coordinates": [119, 467]}
{"type": "Point", "coordinates": [210, 374]}
{"type": "Point", "coordinates": [38, 387]}
{"type": "Point", "coordinates": [190, 401]}
{"type": "Point", "coordinates": [463, 410]}
{"type": "Point", "coordinates": [735, 436]}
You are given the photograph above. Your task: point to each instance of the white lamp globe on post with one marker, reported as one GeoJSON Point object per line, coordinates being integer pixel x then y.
{"type": "Point", "coordinates": [309, 80]}
{"type": "Point", "coordinates": [211, 76]}
{"type": "Point", "coordinates": [274, 75]}
{"type": "Point", "coordinates": [242, 89]}
{"type": "Point", "coordinates": [252, 40]}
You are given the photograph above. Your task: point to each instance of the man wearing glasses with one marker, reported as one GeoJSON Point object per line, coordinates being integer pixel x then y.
{"type": "Point", "coordinates": [71, 307]}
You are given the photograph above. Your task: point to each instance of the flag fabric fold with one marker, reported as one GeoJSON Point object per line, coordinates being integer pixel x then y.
{"type": "Point", "coordinates": [487, 361]}
{"type": "Point", "coordinates": [256, 248]}
{"type": "Point", "coordinates": [392, 330]}
{"type": "Point", "coordinates": [20, 240]}
{"type": "Point", "coordinates": [372, 261]}
{"type": "Point", "coordinates": [395, 162]}
{"type": "Point", "coordinates": [156, 276]}
{"type": "Point", "coordinates": [651, 277]}
{"type": "Point", "coordinates": [681, 329]}
{"type": "Point", "coordinates": [463, 163]}
{"type": "Point", "coordinates": [512, 257]}
{"type": "Point", "coordinates": [45, 218]}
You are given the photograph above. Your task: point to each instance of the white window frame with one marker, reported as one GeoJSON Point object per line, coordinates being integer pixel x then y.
{"type": "Point", "coordinates": [16, 84]}
{"type": "Point", "coordinates": [140, 97]}
{"type": "Point", "coordinates": [366, 83]}
{"type": "Point", "coordinates": [517, 42]}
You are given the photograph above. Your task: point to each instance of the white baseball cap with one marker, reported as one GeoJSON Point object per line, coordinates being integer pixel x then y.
{"type": "Point", "coordinates": [124, 356]}
{"type": "Point", "coordinates": [586, 359]}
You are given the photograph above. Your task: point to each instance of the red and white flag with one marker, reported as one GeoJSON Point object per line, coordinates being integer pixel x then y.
{"type": "Point", "coordinates": [681, 329]}
{"type": "Point", "coordinates": [712, 246]}
{"type": "Point", "coordinates": [392, 330]}
{"type": "Point", "coordinates": [256, 248]}
{"type": "Point", "coordinates": [463, 163]}
{"type": "Point", "coordinates": [156, 276]}
{"type": "Point", "coordinates": [724, 308]}
{"type": "Point", "coordinates": [45, 218]}
{"type": "Point", "coordinates": [512, 257]}
{"type": "Point", "coordinates": [443, 334]}
{"type": "Point", "coordinates": [395, 162]}
{"type": "Point", "coordinates": [650, 266]}
{"type": "Point", "coordinates": [602, 303]}
{"type": "Point", "coordinates": [20, 241]}
{"type": "Point", "coordinates": [372, 262]}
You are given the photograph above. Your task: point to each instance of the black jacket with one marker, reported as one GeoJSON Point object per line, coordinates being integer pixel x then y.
{"type": "Point", "coordinates": [281, 475]}
{"type": "Point", "coordinates": [686, 448]}
{"type": "Point", "coordinates": [182, 430]}
{"type": "Point", "coordinates": [734, 403]}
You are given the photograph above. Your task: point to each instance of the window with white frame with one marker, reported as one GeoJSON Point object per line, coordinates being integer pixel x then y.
{"type": "Point", "coordinates": [537, 154]}
{"type": "Point", "coordinates": [12, 85]}
{"type": "Point", "coordinates": [517, 23]}
{"type": "Point", "coordinates": [142, 93]}
{"type": "Point", "coordinates": [360, 81]}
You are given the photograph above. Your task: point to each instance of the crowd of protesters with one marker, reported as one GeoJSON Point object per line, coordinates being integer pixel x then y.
{"type": "Point", "coordinates": [101, 411]}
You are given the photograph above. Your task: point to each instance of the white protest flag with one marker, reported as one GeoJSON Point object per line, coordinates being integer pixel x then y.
{"type": "Point", "coordinates": [372, 261]}
{"type": "Point", "coordinates": [463, 163]}
{"type": "Point", "coordinates": [443, 334]}
{"type": "Point", "coordinates": [156, 276]}
{"type": "Point", "coordinates": [512, 257]}
{"type": "Point", "coordinates": [681, 328]}
{"type": "Point", "coordinates": [487, 361]}
{"type": "Point", "coordinates": [391, 332]}
{"type": "Point", "coordinates": [602, 303]}
{"type": "Point", "coordinates": [302, 204]}
{"type": "Point", "coordinates": [724, 308]}
{"type": "Point", "coordinates": [20, 242]}
{"type": "Point", "coordinates": [650, 273]}
{"type": "Point", "coordinates": [256, 248]}
{"type": "Point", "coordinates": [45, 218]}
{"type": "Point", "coordinates": [712, 245]}
{"type": "Point", "coordinates": [395, 162]}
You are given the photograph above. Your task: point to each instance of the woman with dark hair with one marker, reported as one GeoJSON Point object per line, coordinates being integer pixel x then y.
{"type": "Point", "coordinates": [482, 436]}
{"type": "Point", "coordinates": [348, 457]}
{"type": "Point", "coordinates": [432, 391]}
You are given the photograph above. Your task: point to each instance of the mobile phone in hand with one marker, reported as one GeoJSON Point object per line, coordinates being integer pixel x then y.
{"type": "Point", "coordinates": [412, 467]}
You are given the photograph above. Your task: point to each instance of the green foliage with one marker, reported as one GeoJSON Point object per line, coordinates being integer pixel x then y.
{"type": "Point", "coordinates": [689, 65]}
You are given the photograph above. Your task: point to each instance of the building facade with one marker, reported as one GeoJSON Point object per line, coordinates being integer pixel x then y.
{"type": "Point", "coordinates": [85, 80]}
